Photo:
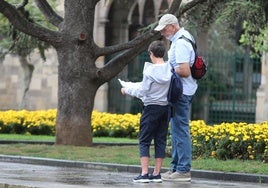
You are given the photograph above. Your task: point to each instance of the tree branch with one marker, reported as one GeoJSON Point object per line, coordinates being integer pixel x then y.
{"type": "Point", "coordinates": [172, 10]}
{"type": "Point", "coordinates": [22, 5]}
{"type": "Point", "coordinates": [188, 6]}
{"type": "Point", "coordinates": [135, 46]}
{"type": "Point", "coordinates": [25, 26]}
{"type": "Point", "coordinates": [121, 47]}
{"type": "Point", "coordinates": [174, 7]}
{"type": "Point", "coordinates": [96, 1]}
{"type": "Point", "coordinates": [49, 13]}
{"type": "Point", "coordinates": [117, 64]}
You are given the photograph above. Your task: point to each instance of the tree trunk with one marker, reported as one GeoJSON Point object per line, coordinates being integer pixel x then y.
{"type": "Point", "coordinates": [202, 46]}
{"type": "Point", "coordinates": [76, 94]}
{"type": "Point", "coordinates": [27, 77]}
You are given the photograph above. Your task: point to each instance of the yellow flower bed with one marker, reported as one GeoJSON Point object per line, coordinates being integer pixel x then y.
{"type": "Point", "coordinates": [222, 141]}
{"type": "Point", "coordinates": [33, 122]}
{"type": "Point", "coordinates": [38, 122]}
{"type": "Point", "coordinates": [230, 140]}
{"type": "Point", "coordinates": [115, 125]}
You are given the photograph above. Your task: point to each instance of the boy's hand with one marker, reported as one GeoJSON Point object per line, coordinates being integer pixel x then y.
{"type": "Point", "coordinates": [123, 90]}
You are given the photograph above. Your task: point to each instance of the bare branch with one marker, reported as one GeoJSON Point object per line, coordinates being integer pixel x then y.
{"type": "Point", "coordinates": [133, 43]}
{"type": "Point", "coordinates": [96, 1]}
{"type": "Point", "coordinates": [116, 64]}
{"type": "Point", "coordinates": [137, 45]}
{"type": "Point", "coordinates": [22, 5]}
{"type": "Point", "coordinates": [49, 13]}
{"type": "Point", "coordinates": [188, 6]}
{"type": "Point", "coordinates": [121, 47]}
{"type": "Point", "coordinates": [174, 6]}
{"type": "Point", "coordinates": [25, 26]}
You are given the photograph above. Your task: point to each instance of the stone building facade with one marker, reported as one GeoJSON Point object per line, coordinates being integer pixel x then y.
{"type": "Point", "coordinates": [42, 93]}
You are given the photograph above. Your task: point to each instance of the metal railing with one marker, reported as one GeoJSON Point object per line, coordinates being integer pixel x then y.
{"type": "Point", "coordinates": [226, 94]}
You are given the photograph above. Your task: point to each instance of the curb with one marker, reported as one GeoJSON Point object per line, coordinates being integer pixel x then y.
{"type": "Point", "coordinates": [213, 175]}
{"type": "Point", "coordinates": [52, 143]}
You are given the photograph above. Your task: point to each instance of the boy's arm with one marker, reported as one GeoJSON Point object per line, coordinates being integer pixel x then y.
{"type": "Point", "coordinates": [140, 89]}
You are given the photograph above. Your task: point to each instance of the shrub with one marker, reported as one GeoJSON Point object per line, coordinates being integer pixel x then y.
{"type": "Point", "coordinates": [4, 128]}
{"type": "Point", "coordinates": [223, 141]}
{"type": "Point", "coordinates": [115, 125]}
{"type": "Point", "coordinates": [42, 129]}
{"type": "Point", "coordinates": [33, 122]}
{"type": "Point", "coordinates": [229, 140]}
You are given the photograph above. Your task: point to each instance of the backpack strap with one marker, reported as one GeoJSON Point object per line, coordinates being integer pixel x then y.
{"type": "Point", "coordinates": [192, 43]}
{"type": "Point", "coordinates": [172, 68]}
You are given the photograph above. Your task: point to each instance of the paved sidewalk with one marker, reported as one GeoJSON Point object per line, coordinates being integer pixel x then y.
{"type": "Point", "coordinates": [22, 172]}
{"type": "Point", "coordinates": [28, 175]}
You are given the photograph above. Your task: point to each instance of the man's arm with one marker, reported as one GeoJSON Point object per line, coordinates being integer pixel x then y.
{"type": "Point", "coordinates": [183, 70]}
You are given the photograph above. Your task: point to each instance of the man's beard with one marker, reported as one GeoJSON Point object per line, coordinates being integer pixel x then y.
{"type": "Point", "coordinates": [169, 37]}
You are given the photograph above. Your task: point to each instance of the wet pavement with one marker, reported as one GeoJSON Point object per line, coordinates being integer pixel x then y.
{"type": "Point", "coordinates": [20, 175]}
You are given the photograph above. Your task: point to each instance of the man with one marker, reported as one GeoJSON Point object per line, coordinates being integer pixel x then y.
{"type": "Point", "coordinates": [152, 90]}
{"type": "Point", "coordinates": [181, 55]}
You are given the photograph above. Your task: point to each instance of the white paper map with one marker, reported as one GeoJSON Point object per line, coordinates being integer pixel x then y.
{"type": "Point", "coordinates": [129, 84]}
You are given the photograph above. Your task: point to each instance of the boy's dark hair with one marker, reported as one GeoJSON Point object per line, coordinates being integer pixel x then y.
{"type": "Point", "coordinates": [157, 48]}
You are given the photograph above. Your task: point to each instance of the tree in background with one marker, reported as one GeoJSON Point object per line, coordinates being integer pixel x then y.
{"type": "Point", "coordinates": [249, 21]}
{"type": "Point", "coordinates": [255, 28]}
{"type": "Point", "coordinates": [12, 41]}
{"type": "Point", "coordinates": [221, 23]}
{"type": "Point", "coordinates": [200, 21]}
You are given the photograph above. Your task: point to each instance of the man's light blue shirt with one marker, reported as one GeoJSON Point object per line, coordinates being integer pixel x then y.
{"type": "Point", "coordinates": [182, 51]}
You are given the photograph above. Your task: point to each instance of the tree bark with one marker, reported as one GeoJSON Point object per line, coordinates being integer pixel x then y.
{"type": "Point", "coordinates": [76, 93]}
{"type": "Point", "coordinates": [202, 46]}
{"type": "Point", "coordinates": [27, 77]}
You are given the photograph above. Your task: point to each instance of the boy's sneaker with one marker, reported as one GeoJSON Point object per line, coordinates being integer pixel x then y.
{"type": "Point", "coordinates": [156, 179]}
{"type": "Point", "coordinates": [142, 179]}
{"type": "Point", "coordinates": [178, 176]}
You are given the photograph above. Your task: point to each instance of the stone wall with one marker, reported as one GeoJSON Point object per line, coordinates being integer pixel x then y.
{"type": "Point", "coordinates": [42, 93]}
{"type": "Point", "coordinates": [43, 90]}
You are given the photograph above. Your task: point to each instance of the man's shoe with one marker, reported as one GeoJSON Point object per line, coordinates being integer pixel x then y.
{"type": "Point", "coordinates": [142, 179]}
{"type": "Point", "coordinates": [166, 174]}
{"type": "Point", "coordinates": [156, 179]}
{"type": "Point", "coordinates": [178, 176]}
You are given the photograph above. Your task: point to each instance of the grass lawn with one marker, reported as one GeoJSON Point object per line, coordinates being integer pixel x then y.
{"type": "Point", "coordinates": [115, 154]}
{"type": "Point", "coordinates": [52, 138]}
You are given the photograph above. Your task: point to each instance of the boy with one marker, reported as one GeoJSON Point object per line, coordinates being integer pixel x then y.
{"type": "Point", "coordinates": [152, 90]}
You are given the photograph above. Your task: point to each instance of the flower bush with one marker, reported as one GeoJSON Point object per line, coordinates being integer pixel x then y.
{"type": "Point", "coordinates": [34, 122]}
{"type": "Point", "coordinates": [222, 141]}
{"type": "Point", "coordinates": [43, 123]}
{"type": "Point", "coordinates": [230, 140]}
{"type": "Point", "coordinates": [115, 125]}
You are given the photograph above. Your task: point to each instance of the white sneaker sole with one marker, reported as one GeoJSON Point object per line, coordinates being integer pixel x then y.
{"type": "Point", "coordinates": [177, 179]}
{"type": "Point", "coordinates": [157, 181]}
{"type": "Point", "coordinates": [142, 181]}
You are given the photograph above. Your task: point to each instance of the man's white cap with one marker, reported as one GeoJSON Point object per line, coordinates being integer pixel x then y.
{"type": "Point", "coordinates": [166, 20]}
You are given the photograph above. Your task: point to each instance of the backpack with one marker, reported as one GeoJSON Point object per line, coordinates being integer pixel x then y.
{"type": "Point", "coordinates": [199, 67]}
{"type": "Point", "coordinates": [175, 87]}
